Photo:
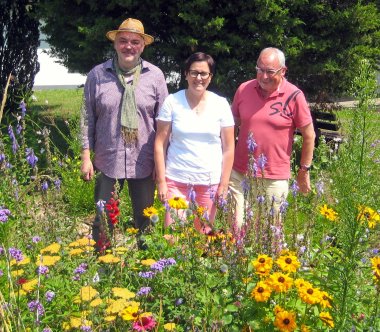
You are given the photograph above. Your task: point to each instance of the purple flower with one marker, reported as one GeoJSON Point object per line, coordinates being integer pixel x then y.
{"type": "Point", "coordinates": [31, 157]}
{"type": "Point", "coordinates": [36, 239]}
{"type": "Point", "coordinates": [23, 108]}
{"type": "Point", "coordinates": [2, 251]}
{"type": "Point", "coordinates": [44, 186]}
{"type": "Point", "coordinates": [42, 269]}
{"type": "Point", "coordinates": [82, 268]}
{"type": "Point", "coordinates": [36, 306]}
{"type": "Point", "coordinates": [11, 134]}
{"type": "Point", "coordinates": [100, 204]}
{"type": "Point", "coordinates": [283, 206]}
{"type": "Point", "coordinates": [147, 275]}
{"type": "Point", "coordinates": [191, 195]}
{"type": "Point", "coordinates": [144, 291]}
{"type": "Point", "coordinates": [16, 254]}
{"type": "Point", "coordinates": [245, 186]}
{"type": "Point", "coordinates": [260, 199]}
{"type": "Point", "coordinates": [4, 214]}
{"type": "Point", "coordinates": [261, 161]}
{"type": "Point", "coordinates": [320, 188]}
{"type": "Point", "coordinates": [251, 143]}
{"type": "Point", "coordinates": [1, 273]}
{"type": "Point", "coordinates": [2, 157]}
{"type": "Point", "coordinates": [86, 328]}
{"type": "Point", "coordinates": [294, 188]}
{"type": "Point", "coordinates": [57, 184]}
{"type": "Point", "coordinates": [46, 329]}
{"type": "Point", "coordinates": [49, 295]}
{"type": "Point", "coordinates": [18, 129]}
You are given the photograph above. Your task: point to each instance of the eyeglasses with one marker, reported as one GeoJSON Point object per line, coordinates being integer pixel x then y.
{"type": "Point", "coordinates": [204, 75]}
{"type": "Point", "coordinates": [269, 72]}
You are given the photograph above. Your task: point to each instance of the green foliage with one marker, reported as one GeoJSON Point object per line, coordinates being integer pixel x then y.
{"type": "Point", "coordinates": [323, 41]}
{"type": "Point", "coordinates": [19, 39]}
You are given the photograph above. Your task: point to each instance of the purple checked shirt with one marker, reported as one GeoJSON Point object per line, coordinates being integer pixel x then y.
{"type": "Point", "coordinates": [100, 121]}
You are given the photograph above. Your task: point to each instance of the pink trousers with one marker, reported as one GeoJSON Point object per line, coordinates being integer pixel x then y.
{"type": "Point", "coordinates": [204, 195]}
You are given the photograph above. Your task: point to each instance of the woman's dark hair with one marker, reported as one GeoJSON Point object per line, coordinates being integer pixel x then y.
{"type": "Point", "coordinates": [200, 56]}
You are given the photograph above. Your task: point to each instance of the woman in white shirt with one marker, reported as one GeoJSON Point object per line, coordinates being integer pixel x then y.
{"type": "Point", "coordinates": [194, 144]}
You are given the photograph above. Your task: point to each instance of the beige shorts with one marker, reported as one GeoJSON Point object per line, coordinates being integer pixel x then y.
{"type": "Point", "coordinates": [272, 190]}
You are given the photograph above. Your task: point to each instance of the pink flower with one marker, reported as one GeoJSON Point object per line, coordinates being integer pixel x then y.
{"type": "Point", "coordinates": [144, 323]}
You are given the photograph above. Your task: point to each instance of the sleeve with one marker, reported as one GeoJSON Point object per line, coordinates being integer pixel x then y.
{"type": "Point", "coordinates": [88, 113]}
{"type": "Point", "coordinates": [302, 115]}
{"type": "Point", "coordinates": [227, 117]}
{"type": "Point", "coordinates": [165, 113]}
{"type": "Point", "coordinates": [235, 104]}
{"type": "Point", "coordinates": [161, 92]}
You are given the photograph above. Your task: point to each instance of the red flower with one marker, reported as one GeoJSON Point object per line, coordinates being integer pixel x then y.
{"type": "Point", "coordinates": [113, 210]}
{"type": "Point", "coordinates": [21, 281]}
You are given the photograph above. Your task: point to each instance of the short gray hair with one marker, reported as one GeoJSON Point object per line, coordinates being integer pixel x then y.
{"type": "Point", "coordinates": [280, 55]}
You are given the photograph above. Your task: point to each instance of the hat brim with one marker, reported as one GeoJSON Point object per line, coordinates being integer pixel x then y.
{"type": "Point", "coordinates": [148, 39]}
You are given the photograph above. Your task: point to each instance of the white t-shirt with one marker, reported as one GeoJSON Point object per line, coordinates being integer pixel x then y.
{"type": "Point", "coordinates": [194, 154]}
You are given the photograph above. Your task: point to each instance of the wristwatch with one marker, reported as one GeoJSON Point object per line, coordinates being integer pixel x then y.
{"type": "Point", "coordinates": [305, 168]}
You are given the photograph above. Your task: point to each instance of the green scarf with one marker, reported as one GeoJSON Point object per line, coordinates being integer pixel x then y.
{"type": "Point", "coordinates": [129, 117]}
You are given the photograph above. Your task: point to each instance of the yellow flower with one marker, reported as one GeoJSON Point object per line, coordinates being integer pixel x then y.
{"type": "Point", "coordinates": [325, 299]}
{"type": "Point", "coordinates": [169, 326]}
{"type": "Point", "coordinates": [115, 306]}
{"type": "Point", "coordinates": [124, 293]}
{"type": "Point", "coordinates": [366, 214]}
{"type": "Point", "coordinates": [285, 321]}
{"type": "Point", "coordinates": [83, 242]}
{"type": "Point", "coordinates": [288, 263]}
{"type": "Point", "coordinates": [53, 248]}
{"type": "Point", "coordinates": [326, 318]}
{"type": "Point", "coordinates": [76, 251]}
{"type": "Point", "coordinates": [376, 264]}
{"type": "Point", "coordinates": [17, 273]}
{"type": "Point", "coordinates": [302, 283]}
{"type": "Point", "coordinates": [77, 322]}
{"type": "Point", "coordinates": [47, 260]}
{"type": "Point", "coordinates": [246, 280]}
{"type": "Point", "coordinates": [148, 262]}
{"type": "Point", "coordinates": [110, 259]}
{"type": "Point", "coordinates": [305, 328]}
{"type": "Point", "coordinates": [130, 312]}
{"type": "Point", "coordinates": [110, 318]}
{"type": "Point", "coordinates": [277, 309]}
{"type": "Point", "coordinates": [309, 295]}
{"type": "Point", "coordinates": [262, 292]}
{"type": "Point", "coordinates": [280, 282]}
{"type": "Point", "coordinates": [263, 265]}
{"type": "Point", "coordinates": [25, 261]}
{"type": "Point", "coordinates": [97, 302]}
{"type": "Point", "coordinates": [121, 250]}
{"type": "Point", "coordinates": [177, 203]}
{"type": "Point", "coordinates": [328, 213]}
{"type": "Point", "coordinates": [29, 286]}
{"type": "Point", "coordinates": [132, 231]}
{"type": "Point", "coordinates": [87, 293]}
{"type": "Point", "coordinates": [150, 211]}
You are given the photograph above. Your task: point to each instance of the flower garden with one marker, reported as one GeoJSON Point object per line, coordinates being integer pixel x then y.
{"type": "Point", "coordinates": [318, 270]}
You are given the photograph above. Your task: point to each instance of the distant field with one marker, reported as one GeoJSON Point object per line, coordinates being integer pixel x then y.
{"type": "Point", "coordinates": [60, 103]}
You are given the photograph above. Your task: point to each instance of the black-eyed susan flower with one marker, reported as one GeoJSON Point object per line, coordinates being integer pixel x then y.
{"type": "Point", "coordinates": [150, 211]}
{"type": "Point", "coordinates": [262, 292]}
{"type": "Point", "coordinates": [368, 215]}
{"type": "Point", "coordinates": [325, 299]}
{"type": "Point", "coordinates": [263, 265]}
{"type": "Point", "coordinates": [288, 263]}
{"type": "Point", "coordinates": [280, 282]}
{"type": "Point", "coordinates": [309, 295]}
{"type": "Point", "coordinates": [285, 321]}
{"type": "Point", "coordinates": [177, 203]}
{"type": "Point", "coordinates": [130, 312]}
{"type": "Point", "coordinates": [305, 328]}
{"type": "Point", "coordinates": [328, 213]}
{"type": "Point", "coordinates": [376, 264]}
{"type": "Point", "coordinates": [326, 318]}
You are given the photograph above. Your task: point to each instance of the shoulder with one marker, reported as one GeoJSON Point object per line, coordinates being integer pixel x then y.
{"type": "Point", "coordinates": [101, 68]}
{"type": "Point", "coordinates": [150, 67]}
{"type": "Point", "coordinates": [288, 87]}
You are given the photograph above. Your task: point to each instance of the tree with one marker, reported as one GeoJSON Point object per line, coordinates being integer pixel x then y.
{"type": "Point", "coordinates": [19, 40]}
{"type": "Point", "coordinates": [322, 40]}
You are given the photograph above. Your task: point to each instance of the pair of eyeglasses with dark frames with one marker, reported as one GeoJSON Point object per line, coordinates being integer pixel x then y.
{"type": "Point", "coordinates": [204, 75]}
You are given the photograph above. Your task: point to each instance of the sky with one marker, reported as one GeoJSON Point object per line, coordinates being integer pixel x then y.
{"type": "Point", "coordinates": [52, 73]}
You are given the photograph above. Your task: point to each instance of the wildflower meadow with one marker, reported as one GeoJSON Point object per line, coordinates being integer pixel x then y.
{"type": "Point", "coordinates": [316, 270]}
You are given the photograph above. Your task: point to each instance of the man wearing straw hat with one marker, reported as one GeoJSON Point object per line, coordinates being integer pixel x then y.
{"type": "Point", "coordinates": [122, 98]}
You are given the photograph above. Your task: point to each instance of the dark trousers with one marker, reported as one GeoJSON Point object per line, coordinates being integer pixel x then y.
{"type": "Point", "coordinates": [141, 192]}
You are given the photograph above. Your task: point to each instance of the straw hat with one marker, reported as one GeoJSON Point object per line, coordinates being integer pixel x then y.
{"type": "Point", "coordinates": [131, 25]}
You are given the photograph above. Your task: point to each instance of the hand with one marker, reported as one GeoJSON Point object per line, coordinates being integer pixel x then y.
{"type": "Point", "coordinates": [87, 170]}
{"type": "Point", "coordinates": [222, 191]}
{"type": "Point", "coordinates": [303, 181]}
{"type": "Point", "coordinates": [162, 191]}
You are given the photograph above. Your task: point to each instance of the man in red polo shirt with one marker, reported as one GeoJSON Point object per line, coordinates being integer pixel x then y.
{"type": "Point", "coordinates": [267, 111]}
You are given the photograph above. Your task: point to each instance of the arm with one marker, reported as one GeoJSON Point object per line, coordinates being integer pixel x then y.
{"type": "Point", "coordinates": [308, 137]}
{"type": "Point", "coordinates": [236, 129]}
{"type": "Point", "coordinates": [86, 168]}
{"type": "Point", "coordinates": [160, 147]}
{"type": "Point", "coordinates": [228, 148]}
